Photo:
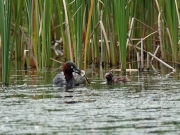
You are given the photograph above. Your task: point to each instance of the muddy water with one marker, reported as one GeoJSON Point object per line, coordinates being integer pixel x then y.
{"type": "Point", "coordinates": [150, 104]}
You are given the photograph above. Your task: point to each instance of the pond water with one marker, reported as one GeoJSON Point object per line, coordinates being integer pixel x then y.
{"type": "Point", "coordinates": [150, 104]}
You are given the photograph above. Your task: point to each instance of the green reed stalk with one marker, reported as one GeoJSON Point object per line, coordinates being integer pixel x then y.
{"type": "Point", "coordinates": [5, 13]}
{"type": "Point", "coordinates": [87, 33]}
{"type": "Point", "coordinates": [29, 9]}
{"type": "Point", "coordinates": [134, 6]}
{"type": "Point", "coordinates": [34, 32]}
{"type": "Point", "coordinates": [79, 32]}
{"type": "Point", "coordinates": [109, 21]}
{"type": "Point", "coordinates": [60, 12]}
{"type": "Point", "coordinates": [34, 36]}
{"type": "Point", "coordinates": [149, 19]}
{"type": "Point", "coordinates": [172, 23]}
{"type": "Point", "coordinates": [16, 38]}
{"type": "Point", "coordinates": [68, 34]}
{"type": "Point", "coordinates": [95, 47]}
{"type": "Point", "coordinates": [78, 23]}
{"type": "Point", "coordinates": [37, 40]}
{"type": "Point", "coordinates": [46, 34]}
{"type": "Point", "coordinates": [93, 54]}
{"type": "Point", "coordinates": [121, 16]}
{"type": "Point", "coordinates": [177, 10]}
{"type": "Point", "coordinates": [71, 26]}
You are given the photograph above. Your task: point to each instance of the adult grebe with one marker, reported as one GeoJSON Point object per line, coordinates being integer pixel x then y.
{"type": "Point", "coordinates": [70, 77]}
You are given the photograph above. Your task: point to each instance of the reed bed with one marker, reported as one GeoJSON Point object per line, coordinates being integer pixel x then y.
{"type": "Point", "coordinates": [120, 33]}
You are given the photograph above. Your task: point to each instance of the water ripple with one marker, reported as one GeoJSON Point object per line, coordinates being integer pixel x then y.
{"type": "Point", "coordinates": [147, 105]}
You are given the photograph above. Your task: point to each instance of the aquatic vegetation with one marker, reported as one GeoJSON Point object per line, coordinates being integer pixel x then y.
{"type": "Point", "coordinates": [118, 33]}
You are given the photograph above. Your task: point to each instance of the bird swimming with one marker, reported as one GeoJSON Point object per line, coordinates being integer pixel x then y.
{"type": "Point", "coordinates": [115, 80]}
{"type": "Point", "coordinates": [69, 77]}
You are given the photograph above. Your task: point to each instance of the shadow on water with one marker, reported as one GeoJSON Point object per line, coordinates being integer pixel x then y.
{"type": "Point", "coordinates": [149, 104]}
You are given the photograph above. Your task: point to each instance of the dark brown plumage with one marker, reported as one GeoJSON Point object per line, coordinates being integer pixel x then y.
{"type": "Point", "coordinates": [117, 79]}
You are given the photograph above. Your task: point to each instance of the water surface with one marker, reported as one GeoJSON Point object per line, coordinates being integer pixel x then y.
{"type": "Point", "coordinates": [150, 104]}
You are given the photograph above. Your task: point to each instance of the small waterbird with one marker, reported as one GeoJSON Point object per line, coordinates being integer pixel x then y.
{"type": "Point", "coordinates": [115, 80]}
{"type": "Point", "coordinates": [70, 76]}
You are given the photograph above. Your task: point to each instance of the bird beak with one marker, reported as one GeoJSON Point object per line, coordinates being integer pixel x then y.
{"type": "Point", "coordinates": [77, 71]}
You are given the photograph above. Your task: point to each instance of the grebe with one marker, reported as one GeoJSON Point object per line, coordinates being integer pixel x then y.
{"type": "Point", "coordinates": [116, 80]}
{"type": "Point", "coordinates": [70, 77]}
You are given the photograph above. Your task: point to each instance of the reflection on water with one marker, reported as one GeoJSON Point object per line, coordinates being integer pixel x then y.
{"type": "Point", "coordinates": [150, 104]}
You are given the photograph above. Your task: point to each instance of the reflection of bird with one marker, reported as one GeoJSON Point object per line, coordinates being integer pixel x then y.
{"type": "Point", "coordinates": [117, 79]}
{"type": "Point", "coordinates": [71, 76]}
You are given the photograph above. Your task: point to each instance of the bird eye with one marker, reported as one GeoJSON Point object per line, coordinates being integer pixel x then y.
{"type": "Point", "coordinates": [71, 66]}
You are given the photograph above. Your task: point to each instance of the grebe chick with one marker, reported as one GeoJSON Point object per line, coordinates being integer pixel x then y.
{"type": "Point", "coordinates": [116, 80]}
